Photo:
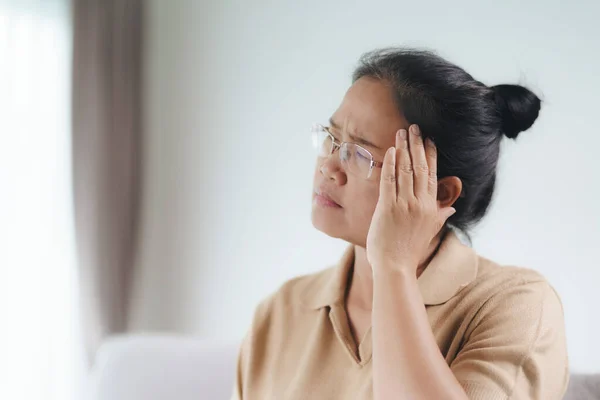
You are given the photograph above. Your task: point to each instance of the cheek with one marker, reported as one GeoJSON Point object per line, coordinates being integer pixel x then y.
{"type": "Point", "coordinates": [364, 206]}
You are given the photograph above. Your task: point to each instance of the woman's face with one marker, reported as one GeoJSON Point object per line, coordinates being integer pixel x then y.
{"type": "Point", "coordinates": [344, 202]}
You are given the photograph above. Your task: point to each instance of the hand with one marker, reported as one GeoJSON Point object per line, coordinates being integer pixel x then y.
{"type": "Point", "coordinates": [407, 216]}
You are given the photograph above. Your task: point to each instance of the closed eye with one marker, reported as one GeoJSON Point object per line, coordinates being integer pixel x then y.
{"type": "Point", "coordinates": [360, 139]}
{"type": "Point", "coordinates": [362, 156]}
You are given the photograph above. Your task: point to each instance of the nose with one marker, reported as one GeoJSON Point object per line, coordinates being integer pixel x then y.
{"type": "Point", "coordinates": [332, 170]}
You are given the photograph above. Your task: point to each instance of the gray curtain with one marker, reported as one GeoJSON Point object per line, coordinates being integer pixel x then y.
{"type": "Point", "coordinates": [106, 158]}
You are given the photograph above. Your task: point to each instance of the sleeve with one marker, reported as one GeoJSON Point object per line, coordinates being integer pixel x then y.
{"type": "Point", "coordinates": [253, 340]}
{"type": "Point", "coordinates": [515, 347]}
{"type": "Point", "coordinates": [240, 369]}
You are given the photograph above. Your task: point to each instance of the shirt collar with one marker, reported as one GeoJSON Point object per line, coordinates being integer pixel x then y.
{"type": "Point", "coordinates": [452, 268]}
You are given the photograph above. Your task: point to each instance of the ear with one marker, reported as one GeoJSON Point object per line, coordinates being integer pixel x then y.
{"type": "Point", "coordinates": [449, 190]}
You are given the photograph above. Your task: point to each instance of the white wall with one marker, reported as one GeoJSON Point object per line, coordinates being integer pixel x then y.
{"type": "Point", "coordinates": [232, 88]}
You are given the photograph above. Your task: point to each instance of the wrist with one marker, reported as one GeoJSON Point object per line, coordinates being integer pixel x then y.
{"type": "Point", "coordinates": [398, 283]}
{"type": "Point", "coordinates": [395, 271]}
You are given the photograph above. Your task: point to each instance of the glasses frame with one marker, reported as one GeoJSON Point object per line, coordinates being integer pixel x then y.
{"type": "Point", "coordinates": [338, 145]}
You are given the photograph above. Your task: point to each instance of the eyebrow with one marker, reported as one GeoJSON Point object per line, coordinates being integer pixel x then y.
{"type": "Point", "coordinates": [358, 139]}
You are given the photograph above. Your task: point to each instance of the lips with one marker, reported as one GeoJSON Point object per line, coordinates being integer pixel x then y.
{"type": "Point", "coordinates": [325, 199]}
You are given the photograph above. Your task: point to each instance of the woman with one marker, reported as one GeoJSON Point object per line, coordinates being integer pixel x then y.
{"type": "Point", "coordinates": [408, 159]}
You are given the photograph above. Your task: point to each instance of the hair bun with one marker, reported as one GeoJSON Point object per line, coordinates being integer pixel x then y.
{"type": "Point", "coordinates": [518, 106]}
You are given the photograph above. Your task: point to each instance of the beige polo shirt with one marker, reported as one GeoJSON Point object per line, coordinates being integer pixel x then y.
{"type": "Point", "coordinates": [500, 329]}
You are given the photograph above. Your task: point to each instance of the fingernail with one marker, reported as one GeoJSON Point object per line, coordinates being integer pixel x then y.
{"type": "Point", "coordinates": [402, 133]}
{"type": "Point", "coordinates": [414, 129]}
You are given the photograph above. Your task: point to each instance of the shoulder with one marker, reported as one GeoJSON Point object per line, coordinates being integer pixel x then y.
{"type": "Point", "coordinates": [491, 270]}
{"type": "Point", "coordinates": [512, 314]}
{"type": "Point", "coordinates": [505, 293]}
{"type": "Point", "coordinates": [495, 279]}
{"type": "Point", "coordinates": [506, 301]}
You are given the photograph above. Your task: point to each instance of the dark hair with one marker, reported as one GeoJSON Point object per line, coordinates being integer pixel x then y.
{"type": "Point", "coordinates": [465, 118]}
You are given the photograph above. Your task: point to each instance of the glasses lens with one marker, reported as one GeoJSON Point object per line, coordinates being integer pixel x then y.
{"type": "Point", "coordinates": [321, 141]}
{"type": "Point", "coordinates": [357, 159]}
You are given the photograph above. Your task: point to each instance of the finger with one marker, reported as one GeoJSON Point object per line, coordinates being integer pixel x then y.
{"type": "Point", "coordinates": [404, 170]}
{"type": "Point", "coordinates": [419, 161]}
{"type": "Point", "coordinates": [431, 153]}
{"type": "Point", "coordinates": [387, 186]}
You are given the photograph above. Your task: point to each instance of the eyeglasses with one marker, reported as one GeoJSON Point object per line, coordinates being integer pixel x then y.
{"type": "Point", "coordinates": [355, 159]}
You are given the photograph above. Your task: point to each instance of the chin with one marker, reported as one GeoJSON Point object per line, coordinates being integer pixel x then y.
{"type": "Point", "coordinates": [330, 223]}
{"type": "Point", "coordinates": [334, 225]}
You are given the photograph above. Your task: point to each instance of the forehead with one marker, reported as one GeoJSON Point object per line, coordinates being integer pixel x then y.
{"type": "Point", "coordinates": [369, 108]}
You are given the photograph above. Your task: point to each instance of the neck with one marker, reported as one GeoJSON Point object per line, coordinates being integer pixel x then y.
{"type": "Point", "coordinates": [360, 285]}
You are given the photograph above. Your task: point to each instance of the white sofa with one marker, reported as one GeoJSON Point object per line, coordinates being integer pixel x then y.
{"type": "Point", "coordinates": [163, 368]}
{"type": "Point", "coordinates": [176, 368]}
